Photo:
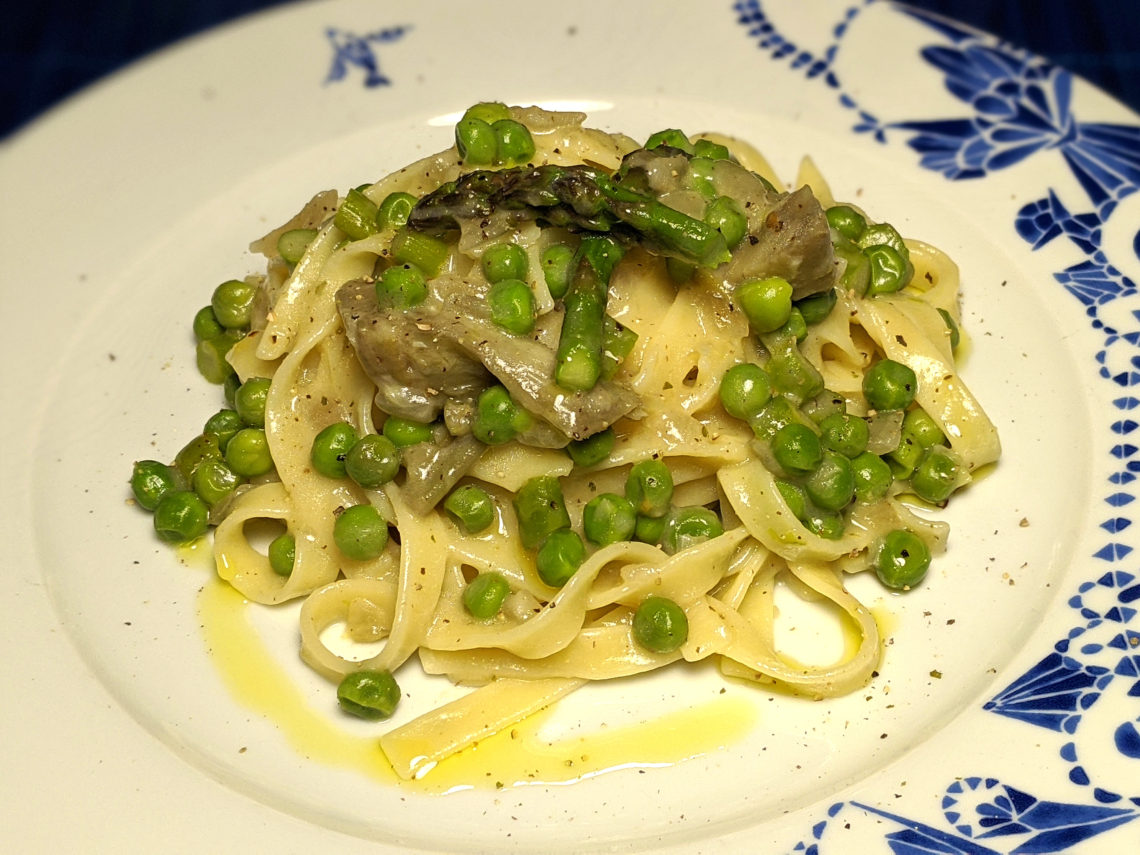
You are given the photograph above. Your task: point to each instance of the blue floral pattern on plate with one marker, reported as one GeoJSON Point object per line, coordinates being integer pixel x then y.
{"type": "Point", "coordinates": [1014, 106]}
{"type": "Point", "coordinates": [352, 50]}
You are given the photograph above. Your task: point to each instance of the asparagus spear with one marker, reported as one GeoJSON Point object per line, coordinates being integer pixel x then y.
{"type": "Point", "coordinates": [578, 197]}
{"type": "Point", "coordinates": [579, 358]}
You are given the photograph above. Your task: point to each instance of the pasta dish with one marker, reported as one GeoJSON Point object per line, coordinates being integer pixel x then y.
{"type": "Point", "coordinates": [554, 406]}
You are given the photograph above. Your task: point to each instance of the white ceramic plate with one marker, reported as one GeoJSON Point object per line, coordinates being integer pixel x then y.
{"type": "Point", "coordinates": [1007, 715]}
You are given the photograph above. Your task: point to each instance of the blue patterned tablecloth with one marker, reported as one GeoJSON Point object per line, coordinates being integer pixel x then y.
{"type": "Point", "coordinates": [53, 48]}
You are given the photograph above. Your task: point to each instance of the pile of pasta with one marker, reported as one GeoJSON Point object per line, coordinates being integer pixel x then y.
{"type": "Point", "coordinates": [546, 641]}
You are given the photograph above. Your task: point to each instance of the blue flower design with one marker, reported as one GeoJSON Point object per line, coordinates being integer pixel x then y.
{"type": "Point", "coordinates": [350, 49]}
{"type": "Point", "coordinates": [1093, 280]}
{"type": "Point", "coordinates": [1020, 105]}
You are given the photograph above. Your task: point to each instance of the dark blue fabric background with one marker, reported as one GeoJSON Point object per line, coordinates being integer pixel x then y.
{"type": "Point", "coordinates": [50, 49]}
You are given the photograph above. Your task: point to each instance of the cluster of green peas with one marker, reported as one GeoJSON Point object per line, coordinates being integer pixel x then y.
{"type": "Point", "coordinates": [877, 258]}
{"type": "Point", "coordinates": [232, 447]}
{"type": "Point", "coordinates": [821, 453]}
{"type": "Point", "coordinates": [643, 512]}
{"type": "Point", "coordinates": [723, 213]}
{"type": "Point", "coordinates": [487, 135]}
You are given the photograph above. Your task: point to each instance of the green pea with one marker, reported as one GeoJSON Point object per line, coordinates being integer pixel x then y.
{"type": "Point", "coordinates": [889, 270]}
{"type": "Point", "coordinates": [150, 481]}
{"type": "Point", "coordinates": [181, 516]}
{"type": "Point", "coordinates": [404, 432]}
{"type": "Point", "coordinates": [671, 137]}
{"type": "Point", "coordinates": [191, 455]}
{"type": "Point", "coordinates": [230, 386]}
{"type": "Point", "coordinates": [291, 244]}
{"type": "Point", "coordinates": [222, 425]}
{"type": "Point", "coordinates": [512, 306]}
{"type": "Point", "coordinates": [847, 221]}
{"type": "Point", "coordinates": [249, 401]}
{"type": "Point", "coordinates": [559, 557]}
{"type": "Point", "coordinates": [617, 343]}
{"type": "Point", "coordinates": [471, 507]}
{"type": "Point", "coordinates": [883, 234]}
{"type": "Point", "coordinates": [371, 695]}
{"type": "Point", "coordinates": [766, 302]}
{"type": "Point", "coordinates": [650, 529]}
{"type": "Point", "coordinates": [541, 509]}
{"type": "Point", "coordinates": [797, 448]}
{"type": "Point", "coordinates": [702, 176]}
{"type": "Point", "coordinates": [649, 487]}
{"type": "Point", "coordinates": [790, 372]}
{"type": "Point", "coordinates": [873, 477]}
{"type": "Point", "coordinates": [247, 453]}
{"type": "Point", "coordinates": [727, 216]}
{"type": "Point", "coordinates": [360, 532]}
{"type": "Point", "coordinates": [660, 625]}
{"type": "Point", "coordinates": [845, 433]}
{"type": "Point", "coordinates": [795, 327]}
{"type": "Point", "coordinates": [488, 111]}
{"type": "Point", "coordinates": [688, 527]}
{"type": "Point", "coordinates": [557, 268]}
{"type": "Point", "coordinates": [774, 415]}
{"type": "Point", "coordinates": [206, 324]}
{"type": "Point", "coordinates": [817, 307]}
{"type": "Point", "coordinates": [401, 287]}
{"type": "Point", "coordinates": [505, 261]}
{"type": "Point", "coordinates": [711, 150]}
{"type": "Point", "coordinates": [283, 554]}
{"type": "Point", "coordinates": [593, 449]}
{"type": "Point", "coordinates": [210, 356]}
{"type": "Point", "coordinates": [372, 461]}
{"type": "Point", "coordinates": [936, 476]}
{"type": "Point", "coordinates": [901, 560]}
{"type": "Point", "coordinates": [793, 497]}
{"type": "Point", "coordinates": [485, 594]}
{"type": "Point", "coordinates": [856, 275]}
{"type": "Point", "coordinates": [330, 449]}
{"type": "Point", "coordinates": [922, 426]}
{"type": "Point", "coordinates": [744, 390]}
{"type": "Point", "coordinates": [824, 404]}
{"type": "Point", "coordinates": [395, 209]}
{"type": "Point", "coordinates": [498, 419]}
{"type": "Point", "coordinates": [609, 518]}
{"type": "Point", "coordinates": [476, 141]}
{"type": "Point", "coordinates": [214, 481]}
{"type": "Point", "coordinates": [889, 385]}
{"type": "Point", "coordinates": [906, 456]}
{"type": "Point", "coordinates": [826, 524]}
{"type": "Point", "coordinates": [831, 485]}
{"type": "Point", "coordinates": [513, 142]}
{"type": "Point", "coordinates": [232, 302]}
